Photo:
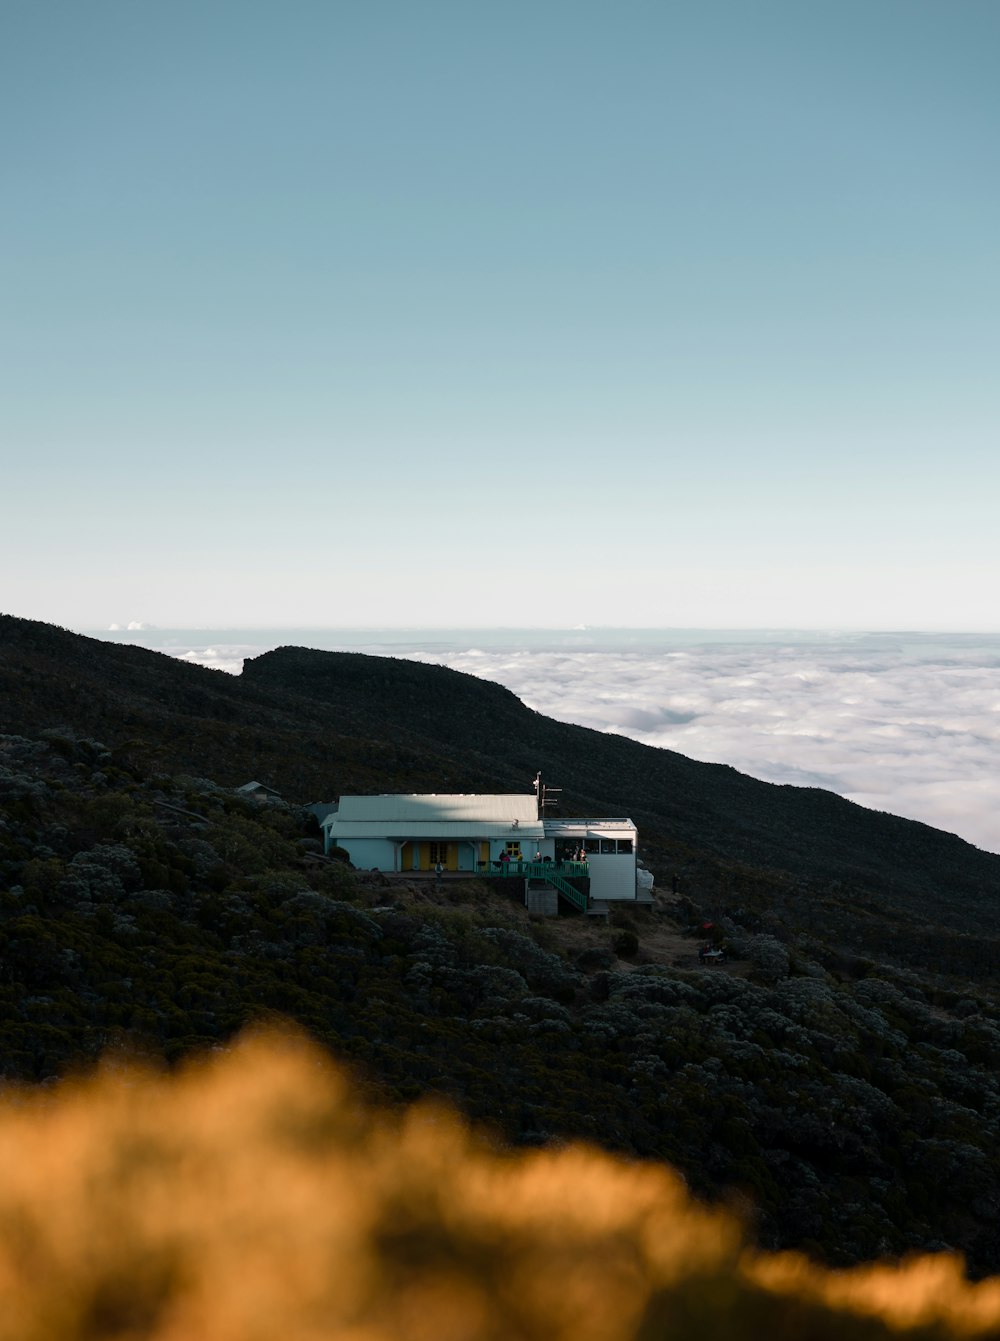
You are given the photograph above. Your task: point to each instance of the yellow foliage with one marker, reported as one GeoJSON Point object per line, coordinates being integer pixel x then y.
{"type": "Point", "coordinates": [253, 1197]}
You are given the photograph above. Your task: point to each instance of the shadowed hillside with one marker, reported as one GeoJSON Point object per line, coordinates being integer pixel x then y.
{"type": "Point", "coordinates": [852, 1102]}
{"type": "Point", "coordinates": [318, 724]}
{"type": "Point", "coordinates": [187, 718]}
{"type": "Point", "coordinates": [873, 881]}
{"type": "Point", "coordinates": [708, 806]}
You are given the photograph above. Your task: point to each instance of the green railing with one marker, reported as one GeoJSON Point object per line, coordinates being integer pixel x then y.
{"type": "Point", "coordinates": [554, 873]}
{"type": "Point", "coordinates": [577, 897]}
{"type": "Point", "coordinates": [534, 870]}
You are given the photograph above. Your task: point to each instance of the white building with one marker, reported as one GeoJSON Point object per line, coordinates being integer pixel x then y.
{"type": "Point", "coordinates": [587, 860]}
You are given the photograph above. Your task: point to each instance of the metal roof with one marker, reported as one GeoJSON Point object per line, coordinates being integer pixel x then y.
{"type": "Point", "coordinates": [555, 827]}
{"type": "Point", "coordinates": [436, 808]}
{"type": "Point", "coordinates": [446, 830]}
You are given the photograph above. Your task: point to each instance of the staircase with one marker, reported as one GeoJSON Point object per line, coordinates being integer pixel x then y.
{"type": "Point", "coordinates": [544, 891]}
{"type": "Point", "coordinates": [542, 884]}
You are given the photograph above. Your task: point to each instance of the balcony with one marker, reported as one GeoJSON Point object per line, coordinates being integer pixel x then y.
{"type": "Point", "coordinates": [535, 870]}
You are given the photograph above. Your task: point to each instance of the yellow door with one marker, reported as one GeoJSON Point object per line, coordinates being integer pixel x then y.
{"type": "Point", "coordinates": [445, 853]}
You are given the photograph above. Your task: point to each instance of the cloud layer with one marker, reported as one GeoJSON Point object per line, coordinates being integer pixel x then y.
{"type": "Point", "coordinates": [912, 730]}
{"type": "Point", "coordinates": [908, 724]}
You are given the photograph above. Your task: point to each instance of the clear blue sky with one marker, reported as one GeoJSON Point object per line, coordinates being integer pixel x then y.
{"type": "Point", "coordinates": [449, 313]}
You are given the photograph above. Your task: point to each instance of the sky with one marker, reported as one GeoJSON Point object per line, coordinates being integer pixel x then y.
{"type": "Point", "coordinates": [644, 313]}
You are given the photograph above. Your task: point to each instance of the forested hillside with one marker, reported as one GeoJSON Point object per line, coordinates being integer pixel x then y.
{"type": "Point", "coordinates": [318, 724]}
{"type": "Point", "coordinates": [839, 1076]}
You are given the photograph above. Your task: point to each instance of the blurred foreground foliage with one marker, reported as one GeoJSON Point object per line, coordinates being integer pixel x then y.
{"type": "Point", "coordinates": [252, 1196]}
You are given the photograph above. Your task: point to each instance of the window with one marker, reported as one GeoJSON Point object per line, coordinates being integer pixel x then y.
{"type": "Point", "coordinates": [513, 851]}
{"type": "Point", "coordinates": [625, 845]}
{"type": "Point", "coordinates": [438, 853]}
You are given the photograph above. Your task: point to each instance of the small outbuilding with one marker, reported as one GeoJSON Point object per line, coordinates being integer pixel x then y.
{"type": "Point", "coordinates": [258, 791]}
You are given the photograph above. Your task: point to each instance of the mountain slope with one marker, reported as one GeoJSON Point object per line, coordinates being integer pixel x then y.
{"type": "Point", "coordinates": [318, 724]}
{"type": "Point", "coordinates": [840, 1072]}
{"type": "Point", "coordinates": [857, 1112]}
{"type": "Point", "coordinates": [802, 831]}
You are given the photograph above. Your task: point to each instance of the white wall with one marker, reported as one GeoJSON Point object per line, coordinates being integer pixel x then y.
{"type": "Point", "coordinates": [611, 877]}
{"type": "Point", "coordinates": [368, 852]}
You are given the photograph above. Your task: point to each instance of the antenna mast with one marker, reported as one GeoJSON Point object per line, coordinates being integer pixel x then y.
{"type": "Point", "coordinates": [547, 796]}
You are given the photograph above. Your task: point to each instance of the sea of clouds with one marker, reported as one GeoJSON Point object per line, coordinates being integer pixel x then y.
{"type": "Point", "coordinates": [904, 723]}
{"type": "Point", "coordinates": [893, 730]}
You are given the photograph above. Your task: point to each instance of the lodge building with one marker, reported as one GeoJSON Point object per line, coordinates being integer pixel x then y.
{"type": "Point", "coordinates": [588, 863]}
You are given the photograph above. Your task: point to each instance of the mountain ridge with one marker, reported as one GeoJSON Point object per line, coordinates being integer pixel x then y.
{"type": "Point", "coordinates": [839, 1073]}
{"type": "Point", "coordinates": [316, 724]}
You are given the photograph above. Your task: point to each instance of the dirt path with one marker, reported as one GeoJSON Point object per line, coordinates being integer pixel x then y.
{"type": "Point", "coordinates": [661, 936]}
{"type": "Point", "coordinates": [662, 940]}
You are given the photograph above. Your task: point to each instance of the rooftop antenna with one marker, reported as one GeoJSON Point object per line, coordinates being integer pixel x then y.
{"type": "Point", "coordinates": [547, 796]}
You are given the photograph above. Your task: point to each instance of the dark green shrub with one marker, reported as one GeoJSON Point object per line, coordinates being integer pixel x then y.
{"type": "Point", "coordinates": [626, 944]}
{"type": "Point", "coordinates": [619, 918]}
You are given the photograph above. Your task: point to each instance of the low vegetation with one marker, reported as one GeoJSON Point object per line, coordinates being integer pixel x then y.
{"type": "Point", "coordinates": [849, 1106]}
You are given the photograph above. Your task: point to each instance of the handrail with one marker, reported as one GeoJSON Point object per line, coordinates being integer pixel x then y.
{"type": "Point", "coordinates": [533, 870]}
{"type": "Point", "coordinates": [576, 896]}
{"type": "Point", "coordinates": [553, 873]}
